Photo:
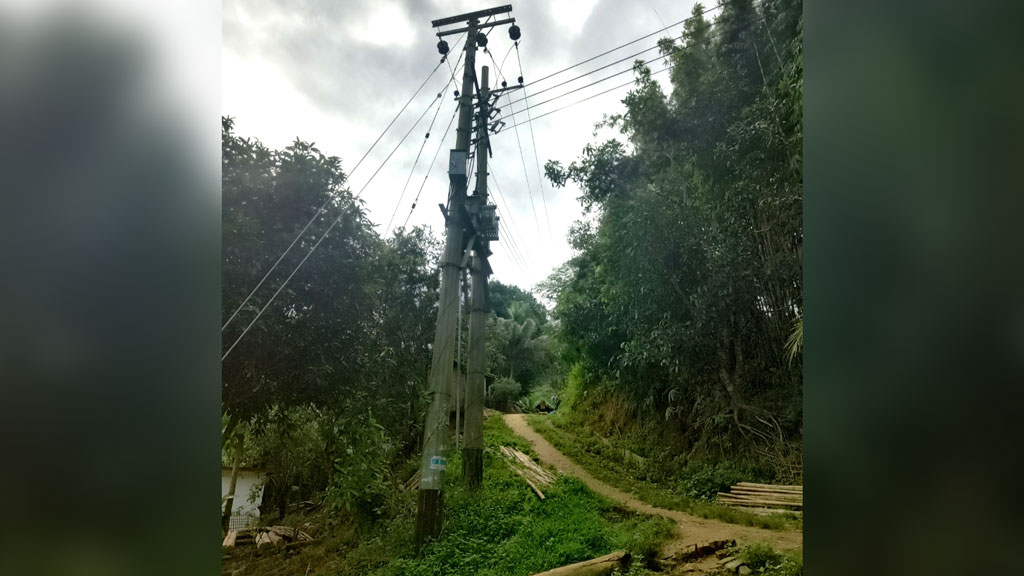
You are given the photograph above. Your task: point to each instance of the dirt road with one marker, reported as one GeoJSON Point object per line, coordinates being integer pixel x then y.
{"type": "Point", "coordinates": [690, 529]}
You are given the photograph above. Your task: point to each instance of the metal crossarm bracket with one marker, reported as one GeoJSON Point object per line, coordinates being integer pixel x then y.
{"type": "Point", "coordinates": [472, 15]}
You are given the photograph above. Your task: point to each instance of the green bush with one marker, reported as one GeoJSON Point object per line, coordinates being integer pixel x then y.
{"type": "Point", "coordinates": [704, 482]}
{"type": "Point", "coordinates": [763, 559]}
{"type": "Point", "coordinates": [504, 392]}
{"type": "Point", "coordinates": [362, 468]}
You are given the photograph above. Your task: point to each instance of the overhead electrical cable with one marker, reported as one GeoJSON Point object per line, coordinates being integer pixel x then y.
{"type": "Point", "coordinates": [533, 140]}
{"type": "Point", "coordinates": [329, 228]}
{"type": "Point", "coordinates": [605, 53]}
{"type": "Point", "coordinates": [328, 201]}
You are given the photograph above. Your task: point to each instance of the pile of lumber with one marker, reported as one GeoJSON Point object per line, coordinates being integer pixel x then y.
{"type": "Point", "coordinates": [764, 498]}
{"type": "Point", "coordinates": [534, 475]}
{"type": "Point", "coordinates": [272, 535]}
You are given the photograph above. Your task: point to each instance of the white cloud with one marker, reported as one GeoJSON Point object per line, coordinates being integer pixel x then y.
{"type": "Point", "coordinates": [386, 24]}
{"type": "Point", "coordinates": [363, 75]}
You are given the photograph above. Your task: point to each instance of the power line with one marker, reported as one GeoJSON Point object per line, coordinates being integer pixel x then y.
{"type": "Point", "coordinates": [331, 227]}
{"type": "Point", "coordinates": [585, 99]}
{"type": "Point", "coordinates": [508, 210]}
{"type": "Point", "coordinates": [533, 140]}
{"type": "Point", "coordinates": [523, 158]}
{"type": "Point", "coordinates": [432, 163]}
{"type": "Point", "coordinates": [417, 161]}
{"type": "Point", "coordinates": [328, 201]}
{"type": "Point", "coordinates": [605, 53]}
{"type": "Point", "coordinates": [711, 37]}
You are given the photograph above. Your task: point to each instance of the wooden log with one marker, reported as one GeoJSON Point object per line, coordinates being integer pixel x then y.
{"type": "Point", "coordinates": [727, 499]}
{"type": "Point", "coordinates": [772, 486]}
{"type": "Point", "coordinates": [733, 496]}
{"type": "Point", "coordinates": [282, 531]}
{"type": "Point", "coordinates": [764, 501]}
{"type": "Point", "coordinates": [595, 567]}
{"type": "Point", "coordinates": [520, 461]}
{"type": "Point", "coordinates": [229, 540]}
{"type": "Point", "coordinates": [764, 495]}
{"type": "Point", "coordinates": [737, 490]}
{"type": "Point", "coordinates": [788, 497]}
{"type": "Point", "coordinates": [768, 511]}
{"type": "Point", "coordinates": [793, 493]}
{"type": "Point", "coordinates": [531, 484]}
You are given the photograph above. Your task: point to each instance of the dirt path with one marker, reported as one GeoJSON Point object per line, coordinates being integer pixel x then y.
{"type": "Point", "coordinates": [690, 529]}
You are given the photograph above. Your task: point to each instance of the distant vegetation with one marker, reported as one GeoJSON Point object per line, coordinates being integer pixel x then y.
{"type": "Point", "coordinates": [680, 313]}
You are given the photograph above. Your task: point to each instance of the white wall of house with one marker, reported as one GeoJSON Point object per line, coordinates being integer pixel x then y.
{"type": "Point", "coordinates": [250, 482]}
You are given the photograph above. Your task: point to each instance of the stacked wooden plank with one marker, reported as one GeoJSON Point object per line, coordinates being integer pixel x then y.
{"type": "Point", "coordinates": [272, 535]}
{"type": "Point", "coordinates": [766, 498]}
{"type": "Point", "coordinates": [534, 475]}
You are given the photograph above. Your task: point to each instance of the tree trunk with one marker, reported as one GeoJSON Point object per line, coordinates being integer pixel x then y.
{"type": "Point", "coordinates": [226, 518]}
{"type": "Point", "coordinates": [730, 363]}
{"type": "Point", "coordinates": [595, 567]}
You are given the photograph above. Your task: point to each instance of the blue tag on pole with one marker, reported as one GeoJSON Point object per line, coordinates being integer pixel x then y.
{"type": "Point", "coordinates": [437, 463]}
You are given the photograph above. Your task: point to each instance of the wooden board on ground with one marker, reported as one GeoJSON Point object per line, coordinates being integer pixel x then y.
{"type": "Point", "coordinates": [750, 495]}
{"type": "Point", "coordinates": [271, 535]}
{"type": "Point", "coordinates": [595, 567]}
{"type": "Point", "coordinates": [530, 471]}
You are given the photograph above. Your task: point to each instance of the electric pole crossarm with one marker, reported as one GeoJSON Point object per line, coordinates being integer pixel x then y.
{"type": "Point", "coordinates": [480, 27]}
{"type": "Point", "coordinates": [472, 15]}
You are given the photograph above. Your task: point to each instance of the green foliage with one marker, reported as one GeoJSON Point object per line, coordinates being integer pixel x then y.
{"type": "Point", "coordinates": [519, 348]}
{"type": "Point", "coordinates": [502, 297]}
{"type": "Point", "coordinates": [796, 339]}
{"type": "Point", "coordinates": [574, 388]}
{"type": "Point", "coordinates": [763, 559]}
{"type": "Point", "coordinates": [504, 392]}
{"type": "Point", "coordinates": [704, 482]}
{"type": "Point", "coordinates": [362, 479]}
{"type": "Point", "coordinates": [668, 489]}
{"type": "Point", "coordinates": [348, 337]}
{"type": "Point", "coordinates": [501, 529]}
{"type": "Point", "coordinates": [687, 275]}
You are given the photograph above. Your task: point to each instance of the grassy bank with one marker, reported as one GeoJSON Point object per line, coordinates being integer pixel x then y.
{"type": "Point", "coordinates": [501, 529]}
{"type": "Point", "coordinates": [605, 463]}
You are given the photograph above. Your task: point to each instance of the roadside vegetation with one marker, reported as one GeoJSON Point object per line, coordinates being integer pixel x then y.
{"type": "Point", "coordinates": [690, 489]}
{"type": "Point", "coordinates": [501, 529]}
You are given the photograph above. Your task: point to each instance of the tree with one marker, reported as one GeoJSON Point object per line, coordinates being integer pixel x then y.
{"type": "Point", "coordinates": [349, 335]}
{"type": "Point", "coordinates": [502, 296]}
{"type": "Point", "coordinates": [684, 285]}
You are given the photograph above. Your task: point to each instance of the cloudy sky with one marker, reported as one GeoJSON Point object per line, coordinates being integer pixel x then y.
{"type": "Point", "coordinates": [336, 73]}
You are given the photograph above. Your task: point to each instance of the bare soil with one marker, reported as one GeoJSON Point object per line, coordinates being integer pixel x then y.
{"type": "Point", "coordinates": [690, 530]}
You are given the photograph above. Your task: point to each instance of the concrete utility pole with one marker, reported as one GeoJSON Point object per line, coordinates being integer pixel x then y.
{"type": "Point", "coordinates": [473, 450]}
{"type": "Point", "coordinates": [480, 219]}
{"type": "Point", "coordinates": [430, 504]}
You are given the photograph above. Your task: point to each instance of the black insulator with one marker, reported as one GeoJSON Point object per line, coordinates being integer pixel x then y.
{"type": "Point", "coordinates": [504, 84]}
{"type": "Point", "coordinates": [513, 32]}
{"type": "Point", "coordinates": [456, 93]}
{"type": "Point", "coordinates": [428, 135]}
{"type": "Point", "coordinates": [442, 47]}
{"type": "Point", "coordinates": [481, 39]}
{"type": "Point", "coordinates": [520, 79]}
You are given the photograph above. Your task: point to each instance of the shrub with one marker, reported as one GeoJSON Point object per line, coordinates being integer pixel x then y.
{"type": "Point", "coordinates": [704, 482]}
{"type": "Point", "coordinates": [504, 392]}
{"type": "Point", "coordinates": [762, 559]}
{"type": "Point", "coordinates": [362, 480]}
